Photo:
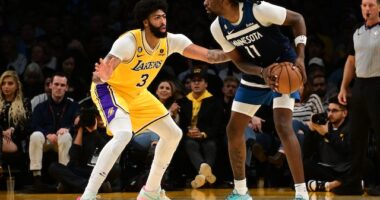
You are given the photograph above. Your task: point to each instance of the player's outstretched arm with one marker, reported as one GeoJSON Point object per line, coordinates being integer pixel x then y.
{"type": "Point", "coordinates": [244, 65]}
{"type": "Point", "coordinates": [105, 67]}
{"type": "Point", "coordinates": [212, 56]}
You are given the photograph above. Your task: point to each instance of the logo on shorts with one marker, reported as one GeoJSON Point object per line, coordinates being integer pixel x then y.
{"type": "Point", "coordinates": [111, 111]}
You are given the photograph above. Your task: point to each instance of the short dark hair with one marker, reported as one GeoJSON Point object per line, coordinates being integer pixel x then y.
{"type": "Point", "coordinates": [144, 8]}
{"type": "Point", "coordinates": [60, 74]}
{"type": "Point", "coordinates": [87, 117]}
{"type": "Point", "coordinates": [334, 99]}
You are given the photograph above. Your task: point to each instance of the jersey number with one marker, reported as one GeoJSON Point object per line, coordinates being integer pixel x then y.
{"type": "Point", "coordinates": [253, 52]}
{"type": "Point", "coordinates": [144, 77]}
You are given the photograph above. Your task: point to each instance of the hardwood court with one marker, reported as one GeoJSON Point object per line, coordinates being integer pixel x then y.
{"type": "Point", "coordinates": [189, 194]}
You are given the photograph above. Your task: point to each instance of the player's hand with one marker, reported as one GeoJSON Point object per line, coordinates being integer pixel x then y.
{"type": "Point", "coordinates": [301, 66]}
{"type": "Point", "coordinates": [271, 80]}
{"type": "Point", "coordinates": [104, 68]}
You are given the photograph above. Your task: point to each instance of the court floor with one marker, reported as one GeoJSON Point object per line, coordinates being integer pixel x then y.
{"type": "Point", "coordinates": [190, 194]}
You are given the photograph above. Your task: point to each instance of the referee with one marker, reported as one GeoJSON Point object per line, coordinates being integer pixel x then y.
{"type": "Point", "coordinates": [364, 62]}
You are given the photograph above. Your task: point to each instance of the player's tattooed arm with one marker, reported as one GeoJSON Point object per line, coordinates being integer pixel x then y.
{"type": "Point", "coordinates": [245, 65]}
{"type": "Point", "coordinates": [217, 56]}
{"type": "Point", "coordinates": [212, 56]}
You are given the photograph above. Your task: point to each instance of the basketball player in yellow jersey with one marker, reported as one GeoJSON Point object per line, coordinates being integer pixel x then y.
{"type": "Point", "coordinates": [119, 90]}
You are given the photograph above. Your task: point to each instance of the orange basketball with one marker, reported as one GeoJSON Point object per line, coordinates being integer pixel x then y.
{"type": "Point", "coordinates": [289, 79]}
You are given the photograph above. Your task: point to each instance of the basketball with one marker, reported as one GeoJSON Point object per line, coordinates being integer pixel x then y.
{"type": "Point", "coordinates": [289, 79]}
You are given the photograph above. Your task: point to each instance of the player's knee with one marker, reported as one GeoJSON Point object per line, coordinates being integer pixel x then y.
{"type": "Point", "coordinates": [177, 134]}
{"type": "Point", "coordinates": [123, 137]}
{"type": "Point", "coordinates": [284, 128]}
{"type": "Point", "coordinates": [234, 130]}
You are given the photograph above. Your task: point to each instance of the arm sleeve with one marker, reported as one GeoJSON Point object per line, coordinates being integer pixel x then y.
{"type": "Point", "coordinates": [217, 33]}
{"type": "Point", "coordinates": [268, 14]}
{"type": "Point", "coordinates": [124, 47]}
{"type": "Point", "coordinates": [177, 43]}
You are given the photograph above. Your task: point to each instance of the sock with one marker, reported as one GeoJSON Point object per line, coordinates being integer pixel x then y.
{"type": "Point", "coordinates": [170, 135]}
{"type": "Point", "coordinates": [162, 156]}
{"type": "Point", "coordinates": [301, 190]}
{"type": "Point", "coordinates": [241, 186]}
{"type": "Point", "coordinates": [36, 173]}
{"type": "Point", "coordinates": [327, 186]}
{"type": "Point", "coordinates": [109, 154]}
{"type": "Point", "coordinates": [155, 176]}
{"type": "Point", "coordinates": [88, 195]}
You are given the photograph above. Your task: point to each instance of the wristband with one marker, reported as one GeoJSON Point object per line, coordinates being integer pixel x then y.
{"type": "Point", "coordinates": [300, 39]}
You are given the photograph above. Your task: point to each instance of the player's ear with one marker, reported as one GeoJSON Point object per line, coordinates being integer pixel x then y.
{"type": "Point", "coordinates": [145, 22]}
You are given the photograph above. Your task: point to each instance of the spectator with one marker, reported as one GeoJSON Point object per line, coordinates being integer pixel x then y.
{"type": "Point", "coordinates": [200, 119]}
{"type": "Point", "coordinates": [71, 64]}
{"type": "Point", "coordinates": [15, 113]}
{"type": "Point", "coordinates": [167, 93]}
{"type": "Point", "coordinates": [327, 151]}
{"type": "Point", "coordinates": [43, 96]}
{"type": "Point", "coordinates": [10, 57]}
{"type": "Point", "coordinates": [83, 155]}
{"type": "Point", "coordinates": [52, 121]}
{"type": "Point", "coordinates": [33, 79]}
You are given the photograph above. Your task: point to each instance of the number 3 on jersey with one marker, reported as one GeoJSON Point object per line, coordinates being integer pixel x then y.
{"type": "Point", "coordinates": [143, 79]}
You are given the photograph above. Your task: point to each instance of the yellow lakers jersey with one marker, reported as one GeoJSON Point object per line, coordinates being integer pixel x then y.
{"type": "Point", "coordinates": [134, 76]}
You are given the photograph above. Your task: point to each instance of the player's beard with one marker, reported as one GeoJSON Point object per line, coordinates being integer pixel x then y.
{"type": "Point", "coordinates": [156, 31]}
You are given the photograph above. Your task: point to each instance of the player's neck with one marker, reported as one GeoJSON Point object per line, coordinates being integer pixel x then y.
{"type": "Point", "coordinates": [151, 39]}
{"type": "Point", "coordinates": [232, 13]}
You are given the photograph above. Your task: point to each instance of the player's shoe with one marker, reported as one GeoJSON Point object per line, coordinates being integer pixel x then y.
{"type": "Point", "coordinates": [144, 195]}
{"type": "Point", "coordinates": [300, 197]}
{"type": "Point", "coordinates": [95, 197]}
{"type": "Point", "coordinates": [236, 196]}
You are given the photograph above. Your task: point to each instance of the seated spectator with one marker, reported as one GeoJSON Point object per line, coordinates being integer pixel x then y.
{"type": "Point", "coordinates": [83, 155]}
{"type": "Point", "coordinates": [15, 113]}
{"type": "Point", "coordinates": [43, 96]}
{"type": "Point", "coordinates": [71, 64]}
{"type": "Point", "coordinates": [321, 87]}
{"type": "Point", "coordinates": [167, 93]}
{"type": "Point", "coordinates": [10, 57]}
{"type": "Point", "coordinates": [33, 80]}
{"type": "Point", "coordinates": [200, 118]}
{"type": "Point", "coordinates": [51, 122]}
{"type": "Point", "coordinates": [327, 149]}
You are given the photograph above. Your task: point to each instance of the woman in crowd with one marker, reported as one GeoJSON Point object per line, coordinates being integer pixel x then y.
{"type": "Point", "coordinates": [15, 112]}
{"type": "Point", "coordinates": [167, 93]}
